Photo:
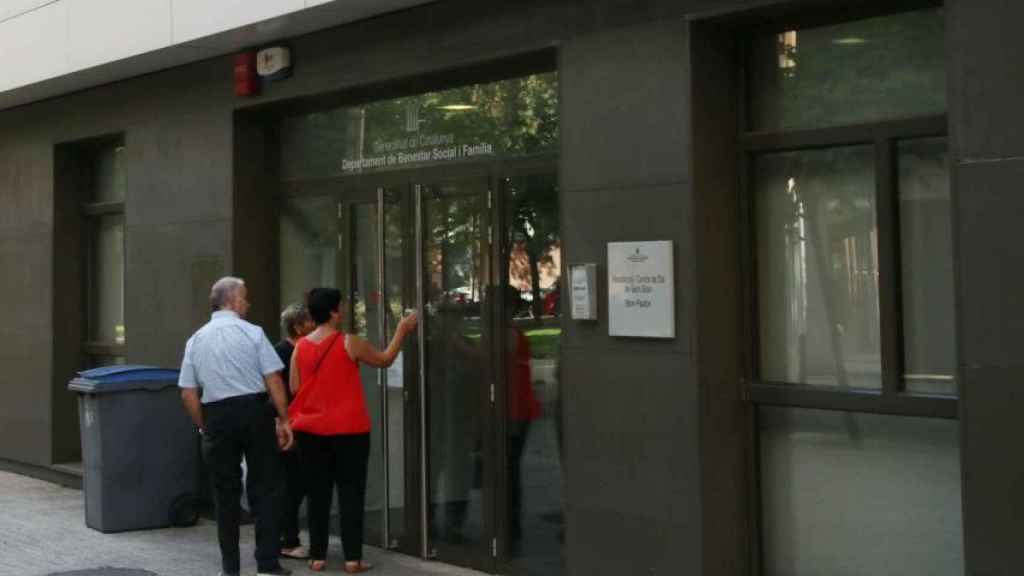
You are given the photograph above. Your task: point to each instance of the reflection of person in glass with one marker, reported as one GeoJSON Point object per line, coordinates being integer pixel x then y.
{"type": "Point", "coordinates": [454, 424]}
{"type": "Point", "coordinates": [295, 323]}
{"type": "Point", "coordinates": [523, 408]}
{"type": "Point", "coordinates": [332, 422]}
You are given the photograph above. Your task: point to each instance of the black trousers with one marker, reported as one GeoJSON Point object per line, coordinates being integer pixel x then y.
{"type": "Point", "coordinates": [236, 427]}
{"type": "Point", "coordinates": [516, 445]}
{"type": "Point", "coordinates": [336, 462]}
{"type": "Point", "coordinates": [295, 492]}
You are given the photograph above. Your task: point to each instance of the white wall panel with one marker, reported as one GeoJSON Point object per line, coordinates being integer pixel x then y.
{"type": "Point", "coordinates": [50, 47]}
{"type": "Point", "coordinates": [33, 46]}
{"type": "Point", "coordinates": [195, 19]}
{"type": "Point", "coordinates": [101, 31]}
{"type": "Point", "coordinates": [10, 8]}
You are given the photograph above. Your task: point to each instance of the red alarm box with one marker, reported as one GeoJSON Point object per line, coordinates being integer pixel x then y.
{"type": "Point", "coordinates": [246, 80]}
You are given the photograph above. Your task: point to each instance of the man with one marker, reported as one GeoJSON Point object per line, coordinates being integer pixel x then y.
{"type": "Point", "coordinates": [295, 323]}
{"type": "Point", "coordinates": [234, 364]}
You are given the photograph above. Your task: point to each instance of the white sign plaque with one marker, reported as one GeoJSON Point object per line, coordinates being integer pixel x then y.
{"type": "Point", "coordinates": [641, 289]}
{"type": "Point", "coordinates": [584, 291]}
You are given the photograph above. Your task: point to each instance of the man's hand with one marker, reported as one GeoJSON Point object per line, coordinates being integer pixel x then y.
{"type": "Point", "coordinates": [193, 405]}
{"type": "Point", "coordinates": [275, 387]}
{"type": "Point", "coordinates": [285, 437]}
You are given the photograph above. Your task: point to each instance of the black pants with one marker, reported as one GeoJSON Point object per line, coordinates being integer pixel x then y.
{"type": "Point", "coordinates": [236, 427]}
{"type": "Point", "coordinates": [516, 444]}
{"type": "Point", "coordinates": [295, 493]}
{"type": "Point", "coordinates": [336, 462]}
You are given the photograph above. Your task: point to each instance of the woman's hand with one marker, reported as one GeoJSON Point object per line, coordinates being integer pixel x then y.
{"type": "Point", "coordinates": [408, 323]}
{"type": "Point", "coordinates": [363, 351]}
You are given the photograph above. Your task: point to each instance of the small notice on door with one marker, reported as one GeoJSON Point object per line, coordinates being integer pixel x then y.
{"type": "Point", "coordinates": [641, 289]}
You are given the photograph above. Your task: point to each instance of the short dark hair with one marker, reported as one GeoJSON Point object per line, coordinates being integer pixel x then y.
{"type": "Point", "coordinates": [321, 302]}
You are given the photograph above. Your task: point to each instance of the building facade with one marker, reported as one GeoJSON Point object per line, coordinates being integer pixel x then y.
{"type": "Point", "coordinates": [832, 386]}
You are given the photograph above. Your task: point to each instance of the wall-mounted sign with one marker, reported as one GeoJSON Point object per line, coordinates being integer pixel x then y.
{"type": "Point", "coordinates": [274, 63]}
{"type": "Point", "coordinates": [641, 289]}
{"type": "Point", "coordinates": [584, 291]}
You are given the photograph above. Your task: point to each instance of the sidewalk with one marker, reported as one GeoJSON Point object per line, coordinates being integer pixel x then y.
{"type": "Point", "coordinates": [43, 533]}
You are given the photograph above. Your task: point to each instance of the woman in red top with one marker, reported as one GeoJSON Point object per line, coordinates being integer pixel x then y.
{"type": "Point", "coordinates": [332, 424]}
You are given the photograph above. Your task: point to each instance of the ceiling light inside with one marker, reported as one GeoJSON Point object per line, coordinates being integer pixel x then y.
{"type": "Point", "coordinates": [457, 107]}
{"type": "Point", "coordinates": [849, 41]}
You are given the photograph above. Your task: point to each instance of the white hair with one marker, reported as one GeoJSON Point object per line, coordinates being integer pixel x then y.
{"type": "Point", "coordinates": [223, 291]}
{"type": "Point", "coordinates": [292, 316]}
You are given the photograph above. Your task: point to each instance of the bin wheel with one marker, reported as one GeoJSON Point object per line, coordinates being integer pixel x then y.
{"type": "Point", "coordinates": [184, 511]}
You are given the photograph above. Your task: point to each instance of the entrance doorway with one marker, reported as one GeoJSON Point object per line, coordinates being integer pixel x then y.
{"type": "Point", "coordinates": [466, 464]}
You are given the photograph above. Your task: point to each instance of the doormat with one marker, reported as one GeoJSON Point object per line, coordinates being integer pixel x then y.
{"type": "Point", "coordinates": [105, 572]}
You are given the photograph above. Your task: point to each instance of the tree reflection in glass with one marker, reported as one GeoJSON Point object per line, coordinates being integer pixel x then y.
{"type": "Point", "coordinates": [817, 249]}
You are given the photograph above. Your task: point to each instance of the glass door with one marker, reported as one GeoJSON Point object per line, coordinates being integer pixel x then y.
{"type": "Point", "coordinates": [401, 433]}
{"type": "Point", "coordinates": [527, 353]}
{"type": "Point", "coordinates": [377, 239]}
{"type": "Point", "coordinates": [309, 244]}
{"type": "Point", "coordinates": [465, 462]}
{"type": "Point", "coordinates": [454, 279]}
{"type": "Point", "coordinates": [364, 310]}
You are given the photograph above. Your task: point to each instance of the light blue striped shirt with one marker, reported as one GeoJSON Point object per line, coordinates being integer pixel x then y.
{"type": "Point", "coordinates": [228, 357]}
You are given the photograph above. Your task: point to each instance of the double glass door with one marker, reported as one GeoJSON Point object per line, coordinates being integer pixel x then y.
{"type": "Point", "coordinates": [423, 245]}
{"type": "Point", "coordinates": [450, 417]}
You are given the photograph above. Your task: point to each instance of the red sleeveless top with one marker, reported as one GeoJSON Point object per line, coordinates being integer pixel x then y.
{"type": "Point", "coordinates": [523, 405]}
{"type": "Point", "coordinates": [330, 399]}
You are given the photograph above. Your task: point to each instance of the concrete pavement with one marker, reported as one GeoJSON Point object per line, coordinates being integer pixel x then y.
{"type": "Point", "coordinates": [43, 533]}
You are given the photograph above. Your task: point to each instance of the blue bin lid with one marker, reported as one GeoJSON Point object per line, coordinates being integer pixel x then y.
{"type": "Point", "coordinates": [123, 378]}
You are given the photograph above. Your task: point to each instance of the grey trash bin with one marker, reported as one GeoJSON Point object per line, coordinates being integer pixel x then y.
{"type": "Point", "coordinates": [139, 450]}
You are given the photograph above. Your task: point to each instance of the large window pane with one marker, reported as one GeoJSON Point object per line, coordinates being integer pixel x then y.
{"type": "Point", "coordinates": [309, 246]}
{"type": "Point", "coordinates": [868, 70]}
{"type": "Point", "coordinates": [859, 494]}
{"type": "Point", "coordinates": [398, 376]}
{"type": "Point", "coordinates": [106, 292]}
{"type": "Point", "coordinates": [532, 330]}
{"type": "Point", "coordinates": [366, 310]}
{"type": "Point", "coordinates": [817, 253]}
{"type": "Point", "coordinates": [927, 267]}
{"type": "Point", "coordinates": [454, 277]}
{"type": "Point", "coordinates": [511, 117]}
{"type": "Point", "coordinates": [109, 176]}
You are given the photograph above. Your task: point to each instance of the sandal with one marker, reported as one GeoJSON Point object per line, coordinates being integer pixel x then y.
{"type": "Point", "coordinates": [318, 565]}
{"type": "Point", "coordinates": [297, 553]}
{"type": "Point", "coordinates": [357, 567]}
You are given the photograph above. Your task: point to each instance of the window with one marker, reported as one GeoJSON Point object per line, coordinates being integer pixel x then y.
{"type": "Point", "coordinates": [863, 71]}
{"type": "Point", "coordinates": [926, 242]}
{"type": "Point", "coordinates": [103, 210]}
{"type": "Point", "coordinates": [817, 240]}
{"type": "Point", "coordinates": [859, 494]}
{"type": "Point", "coordinates": [847, 178]}
{"type": "Point", "coordinates": [852, 237]}
{"type": "Point", "coordinates": [517, 117]}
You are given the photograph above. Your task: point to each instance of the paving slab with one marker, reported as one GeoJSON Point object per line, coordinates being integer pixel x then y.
{"type": "Point", "coordinates": [43, 533]}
